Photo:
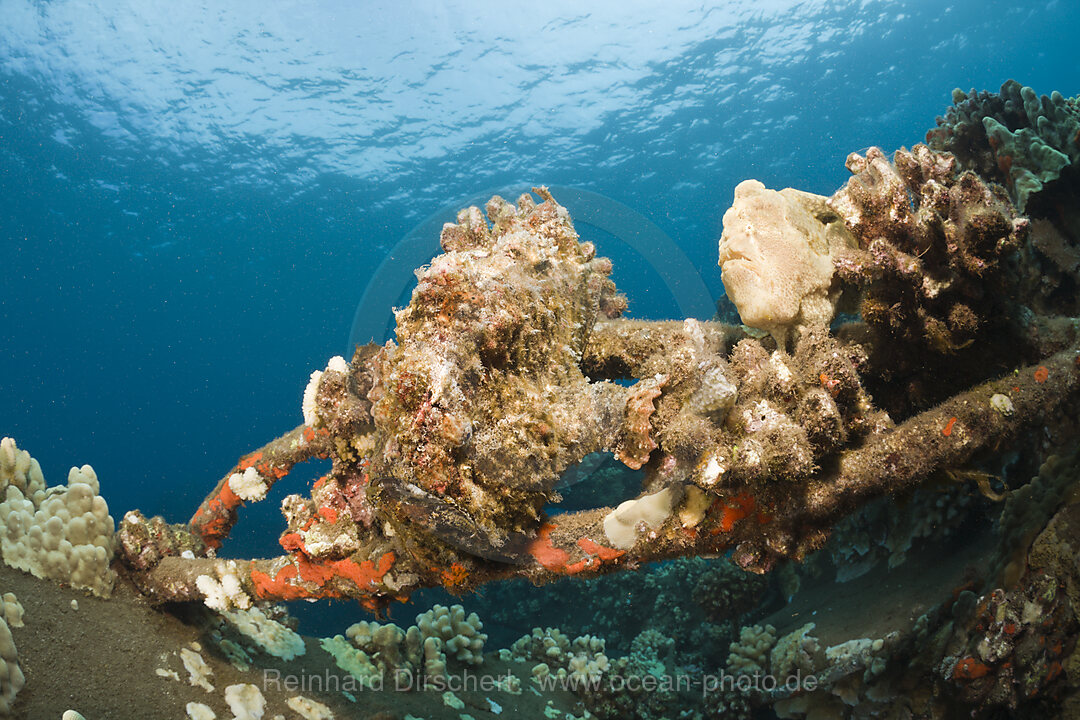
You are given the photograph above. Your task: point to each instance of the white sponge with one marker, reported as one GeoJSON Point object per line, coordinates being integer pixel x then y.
{"type": "Point", "coordinates": [649, 512]}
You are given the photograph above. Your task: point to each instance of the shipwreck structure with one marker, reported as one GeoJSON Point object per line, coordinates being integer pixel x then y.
{"type": "Point", "coordinates": [921, 322]}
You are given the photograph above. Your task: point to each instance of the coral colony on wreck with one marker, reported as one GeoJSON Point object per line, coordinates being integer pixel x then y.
{"type": "Point", "coordinates": [917, 327]}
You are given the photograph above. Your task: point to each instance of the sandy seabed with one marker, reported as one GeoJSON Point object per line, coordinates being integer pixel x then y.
{"type": "Point", "coordinates": [102, 658]}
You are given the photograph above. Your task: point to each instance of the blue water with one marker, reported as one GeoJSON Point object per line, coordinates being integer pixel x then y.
{"type": "Point", "coordinates": [193, 198]}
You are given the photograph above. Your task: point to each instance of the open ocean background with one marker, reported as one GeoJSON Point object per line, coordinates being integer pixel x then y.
{"type": "Point", "coordinates": [194, 196]}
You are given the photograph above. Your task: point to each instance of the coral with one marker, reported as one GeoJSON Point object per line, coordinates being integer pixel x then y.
{"type": "Point", "coordinates": [750, 654]}
{"type": "Point", "coordinates": [641, 689]}
{"type": "Point", "coordinates": [932, 246]}
{"type": "Point", "coordinates": [375, 651]}
{"type": "Point", "coordinates": [1027, 510]}
{"type": "Point", "coordinates": [268, 634]}
{"type": "Point", "coordinates": [655, 648]}
{"type": "Point", "coordinates": [1030, 145]}
{"type": "Point", "coordinates": [726, 704]}
{"type": "Point", "coordinates": [579, 662]}
{"type": "Point", "coordinates": [11, 610]}
{"type": "Point", "coordinates": [248, 485]}
{"type": "Point", "coordinates": [1013, 137]}
{"type": "Point", "coordinates": [726, 593]}
{"type": "Point", "coordinates": [884, 530]}
{"type": "Point", "coordinates": [63, 534]}
{"type": "Point", "coordinates": [1029, 161]}
{"type": "Point", "coordinates": [353, 660]}
{"type": "Point", "coordinates": [199, 711]}
{"type": "Point", "coordinates": [223, 591]}
{"type": "Point", "coordinates": [19, 470]}
{"type": "Point", "coordinates": [11, 675]}
{"type": "Point", "coordinates": [495, 329]}
{"type": "Point", "coordinates": [775, 255]}
{"type": "Point", "coordinates": [798, 652]}
{"type": "Point", "coordinates": [691, 600]}
{"type": "Point", "coordinates": [460, 636]}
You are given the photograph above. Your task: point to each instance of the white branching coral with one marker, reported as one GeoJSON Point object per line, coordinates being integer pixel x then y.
{"type": "Point", "coordinates": [224, 591]}
{"type": "Point", "coordinates": [248, 485]}
{"type": "Point", "coordinates": [309, 405]}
